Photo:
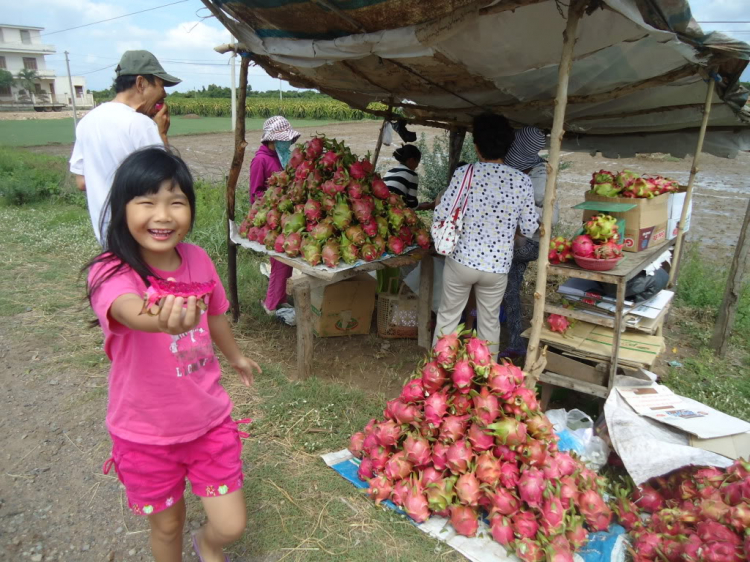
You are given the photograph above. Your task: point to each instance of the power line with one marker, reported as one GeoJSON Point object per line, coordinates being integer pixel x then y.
{"type": "Point", "coordinates": [112, 19]}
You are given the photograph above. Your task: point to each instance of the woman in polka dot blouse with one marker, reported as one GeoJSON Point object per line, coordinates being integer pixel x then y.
{"type": "Point", "coordinates": [500, 205]}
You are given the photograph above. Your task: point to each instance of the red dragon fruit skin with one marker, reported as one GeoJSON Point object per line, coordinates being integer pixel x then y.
{"type": "Point", "coordinates": [413, 392]}
{"type": "Point", "coordinates": [462, 376]}
{"type": "Point", "coordinates": [398, 494]}
{"type": "Point", "coordinates": [387, 433]}
{"type": "Point", "coordinates": [365, 471]}
{"type": "Point", "coordinates": [439, 455]}
{"type": "Point", "coordinates": [397, 467]}
{"type": "Point", "coordinates": [161, 288]}
{"type": "Point", "coordinates": [355, 444]}
{"type": "Point", "coordinates": [417, 450]}
{"type": "Point", "coordinates": [525, 524]}
{"type": "Point", "coordinates": [380, 488]}
{"type": "Point", "coordinates": [480, 439]}
{"type": "Point", "coordinates": [531, 487]}
{"type": "Point", "coordinates": [435, 407]}
{"type": "Point", "coordinates": [509, 475]}
{"type": "Point", "coordinates": [453, 427]}
{"type": "Point", "coordinates": [464, 520]}
{"type": "Point", "coordinates": [503, 501]}
{"type": "Point", "coordinates": [486, 406]}
{"type": "Point", "coordinates": [488, 468]}
{"type": "Point", "coordinates": [433, 376]}
{"type": "Point", "coordinates": [458, 456]}
{"type": "Point", "coordinates": [468, 489]}
{"type": "Point", "coordinates": [558, 323]}
{"type": "Point", "coordinates": [721, 552]}
{"type": "Point", "coordinates": [501, 529]}
{"type": "Point", "coordinates": [415, 505]}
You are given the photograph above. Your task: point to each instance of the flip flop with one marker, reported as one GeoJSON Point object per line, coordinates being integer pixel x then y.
{"type": "Point", "coordinates": [198, 552]}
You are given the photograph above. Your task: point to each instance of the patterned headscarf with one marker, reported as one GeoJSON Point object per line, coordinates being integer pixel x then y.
{"type": "Point", "coordinates": [277, 128]}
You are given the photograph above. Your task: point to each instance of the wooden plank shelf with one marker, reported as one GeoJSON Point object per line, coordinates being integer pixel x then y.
{"type": "Point", "coordinates": [574, 384]}
{"type": "Point", "coordinates": [580, 315]}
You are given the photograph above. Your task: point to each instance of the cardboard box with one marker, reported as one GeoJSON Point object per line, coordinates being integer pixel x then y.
{"type": "Point", "coordinates": [575, 369]}
{"type": "Point", "coordinates": [676, 202]}
{"type": "Point", "coordinates": [593, 341]}
{"type": "Point", "coordinates": [731, 446]}
{"type": "Point", "coordinates": [645, 226]}
{"type": "Point", "coordinates": [344, 308]}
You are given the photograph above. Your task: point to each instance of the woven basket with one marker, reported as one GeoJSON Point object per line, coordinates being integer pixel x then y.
{"type": "Point", "coordinates": [397, 315]}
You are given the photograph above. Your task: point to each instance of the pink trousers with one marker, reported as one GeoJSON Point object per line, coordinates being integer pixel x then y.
{"type": "Point", "coordinates": [276, 293]}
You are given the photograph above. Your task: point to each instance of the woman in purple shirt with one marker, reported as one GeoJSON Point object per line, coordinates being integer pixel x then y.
{"type": "Point", "coordinates": [272, 156]}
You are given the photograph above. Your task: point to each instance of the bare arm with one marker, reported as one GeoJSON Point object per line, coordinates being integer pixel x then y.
{"type": "Point", "coordinates": [80, 182]}
{"type": "Point", "coordinates": [172, 318]}
{"type": "Point", "coordinates": [222, 336]}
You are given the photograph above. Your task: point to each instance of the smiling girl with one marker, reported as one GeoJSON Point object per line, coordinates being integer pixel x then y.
{"type": "Point", "coordinates": [167, 414]}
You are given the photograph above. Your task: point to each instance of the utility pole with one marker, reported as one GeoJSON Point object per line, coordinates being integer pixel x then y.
{"type": "Point", "coordinates": [234, 89]}
{"type": "Point", "coordinates": [280, 96]}
{"type": "Point", "coordinates": [72, 95]}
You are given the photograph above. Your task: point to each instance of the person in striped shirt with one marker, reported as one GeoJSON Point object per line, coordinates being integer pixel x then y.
{"type": "Point", "coordinates": [404, 180]}
{"type": "Point", "coordinates": [523, 155]}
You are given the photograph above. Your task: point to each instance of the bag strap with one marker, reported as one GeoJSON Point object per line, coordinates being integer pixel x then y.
{"type": "Point", "coordinates": [465, 183]}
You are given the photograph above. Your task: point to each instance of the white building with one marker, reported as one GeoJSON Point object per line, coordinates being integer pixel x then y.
{"type": "Point", "coordinates": [21, 48]}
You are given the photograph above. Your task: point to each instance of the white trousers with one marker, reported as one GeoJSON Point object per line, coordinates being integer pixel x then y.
{"type": "Point", "coordinates": [489, 289]}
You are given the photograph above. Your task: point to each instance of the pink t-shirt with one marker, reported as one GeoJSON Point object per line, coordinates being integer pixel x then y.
{"type": "Point", "coordinates": [163, 389]}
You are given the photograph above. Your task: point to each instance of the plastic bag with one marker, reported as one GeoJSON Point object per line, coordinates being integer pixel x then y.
{"type": "Point", "coordinates": [575, 431]}
{"type": "Point", "coordinates": [387, 134]}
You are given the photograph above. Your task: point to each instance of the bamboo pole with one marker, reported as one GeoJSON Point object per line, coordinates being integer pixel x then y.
{"type": "Point", "coordinates": [575, 12]}
{"type": "Point", "coordinates": [379, 144]}
{"type": "Point", "coordinates": [689, 194]}
{"type": "Point", "coordinates": [733, 291]}
{"type": "Point", "coordinates": [234, 173]}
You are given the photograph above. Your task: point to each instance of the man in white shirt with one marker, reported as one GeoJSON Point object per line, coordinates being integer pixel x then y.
{"type": "Point", "coordinates": [137, 117]}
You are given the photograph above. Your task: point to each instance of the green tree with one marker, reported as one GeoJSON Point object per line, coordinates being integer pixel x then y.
{"type": "Point", "coordinates": [27, 78]}
{"type": "Point", "coordinates": [6, 79]}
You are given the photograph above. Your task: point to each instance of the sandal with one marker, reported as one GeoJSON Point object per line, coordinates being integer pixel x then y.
{"type": "Point", "coordinates": [198, 552]}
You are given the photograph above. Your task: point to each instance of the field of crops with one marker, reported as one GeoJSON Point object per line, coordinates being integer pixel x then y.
{"type": "Point", "coordinates": [267, 107]}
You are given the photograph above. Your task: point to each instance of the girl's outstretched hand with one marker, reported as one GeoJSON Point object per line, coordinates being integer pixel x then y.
{"type": "Point", "coordinates": [175, 319]}
{"type": "Point", "coordinates": [245, 367]}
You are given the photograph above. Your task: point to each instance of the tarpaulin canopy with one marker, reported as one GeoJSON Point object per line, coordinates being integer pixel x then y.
{"type": "Point", "coordinates": [639, 65]}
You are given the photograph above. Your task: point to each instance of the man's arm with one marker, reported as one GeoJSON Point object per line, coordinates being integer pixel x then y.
{"type": "Point", "coordinates": [162, 122]}
{"type": "Point", "coordinates": [80, 181]}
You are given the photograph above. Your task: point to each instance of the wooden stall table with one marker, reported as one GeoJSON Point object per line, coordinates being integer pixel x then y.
{"type": "Point", "coordinates": [313, 277]}
{"type": "Point", "coordinates": [630, 266]}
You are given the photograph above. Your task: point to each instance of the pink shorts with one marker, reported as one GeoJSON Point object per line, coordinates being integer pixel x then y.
{"type": "Point", "coordinates": [154, 475]}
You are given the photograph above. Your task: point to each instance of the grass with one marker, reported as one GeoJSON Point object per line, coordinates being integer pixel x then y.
{"type": "Point", "coordinates": [39, 132]}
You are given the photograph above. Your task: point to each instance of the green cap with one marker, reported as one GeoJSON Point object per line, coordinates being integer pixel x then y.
{"type": "Point", "coordinates": [135, 63]}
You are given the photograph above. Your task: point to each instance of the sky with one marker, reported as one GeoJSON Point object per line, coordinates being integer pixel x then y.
{"type": "Point", "coordinates": [183, 36]}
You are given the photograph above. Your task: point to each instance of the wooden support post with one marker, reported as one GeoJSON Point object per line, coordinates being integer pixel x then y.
{"type": "Point", "coordinates": [575, 12]}
{"type": "Point", "coordinates": [424, 306]}
{"type": "Point", "coordinates": [689, 193]}
{"type": "Point", "coordinates": [455, 145]}
{"type": "Point", "coordinates": [380, 143]}
{"type": "Point", "coordinates": [305, 342]}
{"type": "Point", "coordinates": [621, 286]}
{"type": "Point", "coordinates": [234, 173]}
{"type": "Point", "coordinates": [733, 291]}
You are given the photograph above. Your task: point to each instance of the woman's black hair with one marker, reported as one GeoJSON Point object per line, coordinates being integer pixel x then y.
{"type": "Point", "coordinates": [141, 173]}
{"type": "Point", "coordinates": [493, 135]}
{"type": "Point", "coordinates": [407, 152]}
{"type": "Point", "coordinates": [124, 83]}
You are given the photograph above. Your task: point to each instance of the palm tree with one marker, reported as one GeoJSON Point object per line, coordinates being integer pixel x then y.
{"type": "Point", "coordinates": [26, 79]}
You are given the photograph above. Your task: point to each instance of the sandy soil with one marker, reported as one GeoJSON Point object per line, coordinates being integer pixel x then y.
{"type": "Point", "coordinates": [33, 115]}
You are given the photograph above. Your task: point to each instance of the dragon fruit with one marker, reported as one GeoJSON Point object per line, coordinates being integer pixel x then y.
{"type": "Point", "coordinates": [379, 189]}
{"type": "Point", "coordinates": [292, 244]}
{"type": "Point", "coordinates": [558, 323]}
{"type": "Point", "coordinates": [387, 433]}
{"type": "Point", "coordinates": [594, 510]}
{"type": "Point", "coordinates": [453, 428]}
{"type": "Point", "coordinates": [462, 376]}
{"type": "Point", "coordinates": [486, 406]}
{"type": "Point", "coordinates": [417, 450]}
{"type": "Point", "coordinates": [606, 189]}
{"type": "Point", "coordinates": [433, 376]}
{"type": "Point", "coordinates": [329, 160]}
{"type": "Point", "coordinates": [625, 178]}
{"type": "Point", "coordinates": [380, 488]}
{"type": "Point", "coordinates": [312, 254]}
{"type": "Point", "coordinates": [440, 494]}
{"type": "Point", "coordinates": [529, 551]}
{"type": "Point", "coordinates": [313, 210]}
{"type": "Point", "coordinates": [365, 472]}
{"type": "Point", "coordinates": [560, 250]}
{"type": "Point", "coordinates": [294, 223]}
{"type": "Point", "coordinates": [464, 520]}
{"type": "Point", "coordinates": [458, 456]}
{"type": "Point", "coordinates": [406, 235]}
{"type": "Point", "coordinates": [349, 250]}
{"type": "Point", "coordinates": [648, 499]}
{"type": "Point", "coordinates": [525, 524]}
{"type": "Point", "coordinates": [422, 238]}
{"type": "Point", "coordinates": [468, 489]}
{"type": "Point", "coordinates": [396, 245]}
{"type": "Point", "coordinates": [602, 176]}
{"type": "Point", "coordinates": [331, 253]}
{"type": "Point", "coordinates": [531, 487]}
{"type": "Point", "coordinates": [370, 228]}
{"type": "Point", "coordinates": [355, 444]}
{"type": "Point", "coordinates": [509, 475]}
{"type": "Point", "coordinates": [480, 439]}
{"type": "Point", "coordinates": [322, 231]}
{"type": "Point", "coordinates": [576, 533]}
{"type": "Point", "coordinates": [397, 467]}
{"type": "Point", "coordinates": [379, 456]}
{"type": "Point", "coordinates": [342, 214]}
{"type": "Point", "coordinates": [501, 380]}
{"type": "Point", "coordinates": [501, 529]}
{"type": "Point", "coordinates": [405, 413]}
{"type": "Point", "coordinates": [415, 504]}
{"type": "Point", "coordinates": [278, 245]}
{"type": "Point", "coordinates": [313, 149]}
{"type": "Point", "coordinates": [721, 552]}
{"type": "Point", "coordinates": [509, 431]}
{"type": "Point", "coordinates": [370, 252]}
{"type": "Point", "coordinates": [395, 217]}
{"type": "Point", "coordinates": [608, 250]}
{"type": "Point", "coordinates": [446, 349]}
{"type": "Point", "coordinates": [460, 404]}
{"type": "Point", "coordinates": [159, 289]}
{"type": "Point", "coordinates": [400, 489]}
{"type": "Point", "coordinates": [503, 501]}
{"type": "Point", "coordinates": [553, 516]}
{"type": "Point", "coordinates": [583, 246]}
{"type": "Point", "coordinates": [435, 407]}
{"type": "Point", "coordinates": [534, 453]}
{"type": "Point", "coordinates": [413, 391]}
{"type": "Point", "coordinates": [357, 170]}
{"type": "Point", "coordinates": [355, 190]}
{"type": "Point", "coordinates": [558, 550]}
{"type": "Point", "coordinates": [488, 468]}
{"type": "Point", "coordinates": [440, 455]}
{"type": "Point", "coordinates": [601, 227]}
{"type": "Point", "coordinates": [479, 354]}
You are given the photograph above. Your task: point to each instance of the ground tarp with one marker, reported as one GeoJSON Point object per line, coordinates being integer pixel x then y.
{"type": "Point", "coordinates": [639, 65]}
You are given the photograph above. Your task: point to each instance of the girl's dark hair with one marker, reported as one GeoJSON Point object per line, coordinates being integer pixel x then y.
{"type": "Point", "coordinates": [141, 173]}
{"type": "Point", "coordinates": [124, 83]}
{"type": "Point", "coordinates": [406, 152]}
{"type": "Point", "coordinates": [493, 135]}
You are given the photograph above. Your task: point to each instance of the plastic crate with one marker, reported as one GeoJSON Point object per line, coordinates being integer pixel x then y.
{"type": "Point", "coordinates": [398, 316]}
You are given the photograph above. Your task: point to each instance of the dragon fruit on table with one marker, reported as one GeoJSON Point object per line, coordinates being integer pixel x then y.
{"type": "Point", "coordinates": [161, 288]}
{"type": "Point", "coordinates": [327, 193]}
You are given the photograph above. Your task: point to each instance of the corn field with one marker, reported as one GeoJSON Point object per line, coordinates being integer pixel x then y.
{"type": "Point", "coordinates": [264, 108]}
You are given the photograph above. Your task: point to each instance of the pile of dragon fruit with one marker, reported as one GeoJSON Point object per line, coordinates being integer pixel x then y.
{"type": "Point", "coordinates": [630, 184]}
{"type": "Point", "coordinates": [694, 515]}
{"type": "Point", "coordinates": [466, 439]}
{"type": "Point", "coordinates": [599, 241]}
{"type": "Point", "coordinates": [328, 205]}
